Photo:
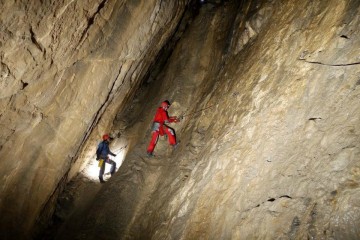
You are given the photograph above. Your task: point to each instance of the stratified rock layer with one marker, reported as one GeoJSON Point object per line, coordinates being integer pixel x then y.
{"type": "Point", "coordinates": [66, 68]}
{"type": "Point", "coordinates": [269, 142]}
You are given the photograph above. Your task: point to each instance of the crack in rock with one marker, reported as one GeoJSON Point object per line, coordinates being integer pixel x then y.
{"type": "Point", "coordinates": [91, 21]}
{"type": "Point", "coordinates": [24, 85]}
{"type": "Point", "coordinates": [315, 118]}
{"type": "Point", "coordinates": [35, 41]}
{"type": "Point", "coordinates": [269, 200]}
{"type": "Point", "coordinates": [331, 65]}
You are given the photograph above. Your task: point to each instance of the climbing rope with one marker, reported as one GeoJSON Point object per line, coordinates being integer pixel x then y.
{"type": "Point", "coordinates": [203, 109]}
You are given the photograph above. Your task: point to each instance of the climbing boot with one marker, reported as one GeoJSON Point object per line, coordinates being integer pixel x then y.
{"type": "Point", "coordinates": [101, 180]}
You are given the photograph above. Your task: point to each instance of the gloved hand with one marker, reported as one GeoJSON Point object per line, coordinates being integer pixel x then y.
{"type": "Point", "coordinates": [175, 119]}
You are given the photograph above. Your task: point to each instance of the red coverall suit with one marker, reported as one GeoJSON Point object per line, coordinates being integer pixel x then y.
{"type": "Point", "coordinates": [159, 127]}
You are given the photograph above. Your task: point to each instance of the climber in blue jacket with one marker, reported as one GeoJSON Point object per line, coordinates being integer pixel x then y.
{"type": "Point", "coordinates": [102, 153]}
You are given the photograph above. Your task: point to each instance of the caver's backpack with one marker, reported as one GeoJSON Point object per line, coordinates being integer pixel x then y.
{"type": "Point", "coordinates": [99, 150]}
{"type": "Point", "coordinates": [98, 153]}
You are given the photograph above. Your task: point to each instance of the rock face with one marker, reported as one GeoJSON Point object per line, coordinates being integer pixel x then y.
{"type": "Point", "coordinates": [269, 145]}
{"type": "Point", "coordinates": [66, 68]}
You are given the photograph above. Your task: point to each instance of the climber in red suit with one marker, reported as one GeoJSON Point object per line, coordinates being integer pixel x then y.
{"type": "Point", "coordinates": [159, 127]}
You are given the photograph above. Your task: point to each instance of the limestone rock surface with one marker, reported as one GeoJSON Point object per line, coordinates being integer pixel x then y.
{"type": "Point", "coordinates": [270, 139]}
{"type": "Point", "coordinates": [269, 146]}
{"type": "Point", "coordinates": [66, 68]}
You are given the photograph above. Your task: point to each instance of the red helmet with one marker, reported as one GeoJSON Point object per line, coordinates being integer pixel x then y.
{"type": "Point", "coordinates": [106, 137]}
{"type": "Point", "coordinates": [165, 103]}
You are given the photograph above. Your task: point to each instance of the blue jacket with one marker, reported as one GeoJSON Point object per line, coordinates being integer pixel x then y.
{"type": "Point", "coordinates": [103, 150]}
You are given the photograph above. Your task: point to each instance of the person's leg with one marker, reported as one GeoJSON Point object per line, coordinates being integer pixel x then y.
{"type": "Point", "coordinates": [171, 135]}
{"type": "Point", "coordinates": [152, 144]}
{"type": "Point", "coordinates": [101, 172]}
{"type": "Point", "coordinates": [113, 166]}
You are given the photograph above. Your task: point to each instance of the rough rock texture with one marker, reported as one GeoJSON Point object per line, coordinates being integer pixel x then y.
{"type": "Point", "coordinates": [66, 68]}
{"type": "Point", "coordinates": [269, 145]}
{"type": "Point", "coordinates": [270, 140]}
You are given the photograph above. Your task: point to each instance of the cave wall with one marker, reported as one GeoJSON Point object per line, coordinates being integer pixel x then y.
{"type": "Point", "coordinates": [269, 146]}
{"type": "Point", "coordinates": [277, 154]}
{"type": "Point", "coordinates": [66, 68]}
